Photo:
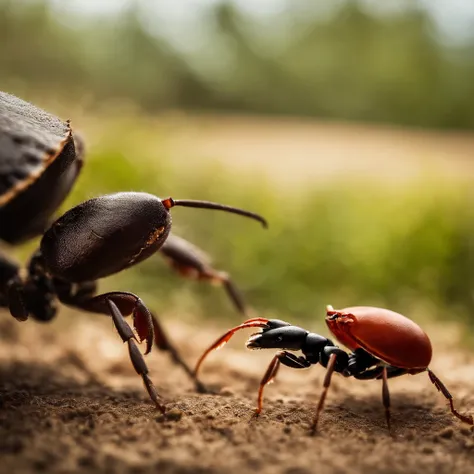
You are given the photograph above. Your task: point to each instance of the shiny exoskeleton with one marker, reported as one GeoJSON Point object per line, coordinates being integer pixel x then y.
{"type": "Point", "coordinates": [40, 159]}
{"type": "Point", "coordinates": [384, 345]}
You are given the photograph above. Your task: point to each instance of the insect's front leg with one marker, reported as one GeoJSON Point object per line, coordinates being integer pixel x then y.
{"type": "Point", "coordinates": [32, 295]}
{"type": "Point", "coordinates": [11, 289]}
{"type": "Point", "coordinates": [146, 324]}
{"type": "Point", "coordinates": [282, 357]}
{"type": "Point", "coordinates": [40, 290]}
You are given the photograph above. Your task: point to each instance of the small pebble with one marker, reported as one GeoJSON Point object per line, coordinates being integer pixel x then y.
{"type": "Point", "coordinates": [447, 433]}
{"type": "Point", "coordinates": [174, 414]}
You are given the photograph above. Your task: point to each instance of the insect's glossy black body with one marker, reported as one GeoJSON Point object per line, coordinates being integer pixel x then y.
{"type": "Point", "coordinates": [316, 349]}
{"type": "Point", "coordinates": [40, 159]}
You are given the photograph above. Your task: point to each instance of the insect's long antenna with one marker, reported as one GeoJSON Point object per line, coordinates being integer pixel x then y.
{"type": "Point", "coordinates": [170, 202]}
{"type": "Point", "coordinates": [250, 323]}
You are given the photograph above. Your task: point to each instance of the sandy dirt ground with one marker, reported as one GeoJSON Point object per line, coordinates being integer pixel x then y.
{"type": "Point", "coordinates": [71, 402]}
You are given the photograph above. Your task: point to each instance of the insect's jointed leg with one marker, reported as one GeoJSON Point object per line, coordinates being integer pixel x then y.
{"type": "Point", "coordinates": [269, 375]}
{"type": "Point", "coordinates": [11, 295]}
{"type": "Point", "coordinates": [139, 364]}
{"type": "Point", "coordinates": [145, 322]}
{"type": "Point", "coordinates": [386, 397]}
{"type": "Point", "coordinates": [39, 289]}
{"type": "Point", "coordinates": [282, 357]}
{"type": "Point", "coordinates": [83, 297]}
{"type": "Point", "coordinates": [32, 295]}
{"type": "Point", "coordinates": [326, 384]}
{"type": "Point", "coordinates": [191, 262]}
{"type": "Point", "coordinates": [117, 305]}
{"type": "Point", "coordinates": [442, 388]}
{"type": "Point", "coordinates": [163, 343]}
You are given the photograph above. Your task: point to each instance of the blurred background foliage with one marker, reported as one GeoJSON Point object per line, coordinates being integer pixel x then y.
{"type": "Point", "coordinates": [407, 247]}
{"type": "Point", "coordinates": [333, 59]}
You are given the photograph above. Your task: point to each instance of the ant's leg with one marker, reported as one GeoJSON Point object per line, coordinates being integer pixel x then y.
{"type": "Point", "coordinates": [138, 362]}
{"type": "Point", "coordinates": [371, 374]}
{"type": "Point", "coordinates": [335, 360]}
{"type": "Point", "coordinates": [386, 397]}
{"type": "Point", "coordinates": [377, 373]}
{"type": "Point", "coordinates": [441, 388]}
{"type": "Point", "coordinates": [268, 377]}
{"type": "Point", "coordinates": [390, 372]}
{"type": "Point", "coordinates": [190, 261]}
{"type": "Point", "coordinates": [145, 322]}
{"type": "Point", "coordinates": [327, 382]}
{"type": "Point", "coordinates": [395, 372]}
{"type": "Point", "coordinates": [282, 357]}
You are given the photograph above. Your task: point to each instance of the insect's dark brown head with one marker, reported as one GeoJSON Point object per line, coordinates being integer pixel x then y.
{"type": "Point", "coordinates": [105, 235]}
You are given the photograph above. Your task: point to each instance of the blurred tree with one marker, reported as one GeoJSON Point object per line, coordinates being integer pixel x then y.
{"type": "Point", "coordinates": [347, 62]}
{"type": "Point", "coordinates": [36, 49]}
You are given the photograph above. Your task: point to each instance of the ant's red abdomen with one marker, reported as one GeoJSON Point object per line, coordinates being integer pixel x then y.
{"type": "Point", "coordinates": [385, 334]}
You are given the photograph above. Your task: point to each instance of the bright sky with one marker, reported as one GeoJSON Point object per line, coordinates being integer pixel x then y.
{"type": "Point", "coordinates": [454, 18]}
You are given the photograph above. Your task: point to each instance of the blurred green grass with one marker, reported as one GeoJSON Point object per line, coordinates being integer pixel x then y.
{"type": "Point", "coordinates": [407, 247]}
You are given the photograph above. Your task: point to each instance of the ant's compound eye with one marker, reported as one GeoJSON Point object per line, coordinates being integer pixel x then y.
{"type": "Point", "coordinates": [279, 339]}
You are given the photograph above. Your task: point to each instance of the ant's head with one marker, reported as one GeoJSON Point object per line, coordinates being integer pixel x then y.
{"type": "Point", "coordinates": [278, 334]}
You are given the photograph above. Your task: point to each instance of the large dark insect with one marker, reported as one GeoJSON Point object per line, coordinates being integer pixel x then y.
{"type": "Point", "coordinates": [40, 160]}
